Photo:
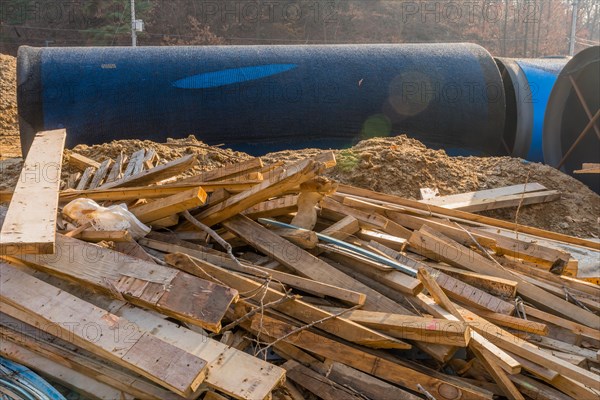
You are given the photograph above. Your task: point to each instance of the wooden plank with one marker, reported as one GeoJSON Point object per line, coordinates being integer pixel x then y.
{"type": "Point", "coordinates": [562, 322]}
{"type": "Point", "coordinates": [302, 262]}
{"type": "Point", "coordinates": [499, 375]}
{"type": "Point", "coordinates": [371, 220]}
{"type": "Point", "coordinates": [389, 277]}
{"type": "Point", "coordinates": [273, 208]}
{"type": "Point", "coordinates": [317, 288]}
{"type": "Point", "coordinates": [30, 223]}
{"type": "Point", "coordinates": [71, 378]}
{"type": "Point", "coordinates": [85, 178]}
{"type": "Point", "coordinates": [168, 206]}
{"type": "Point", "coordinates": [462, 215]}
{"type": "Point", "coordinates": [229, 171]}
{"type": "Point", "coordinates": [506, 362]}
{"type": "Point", "coordinates": [298, 309]}
{"type": "Point", "coordinates": [421, 329]}
{"type": "Point", "coordinates": [17, 333]}
{"type": "Point", "coordinates": [82, 162]}
{"type": "Point", "coordinates": [146, 284]}
{"type": "Point", "coordinates": [99, 236]}
{"type": "Point", "coordinates": [457, 289]}
{"type": "Point", "coordinates": [440, 248]}
{"type": "Point", "coordinates": [448, 201]}
{"type": "Point", "coordinates": [491, 284]}
{"type": "Point", "coordinates": [588, 168]}
{"type": "Point", "coordinates": [116, 170]}
{"type": "Point", "coordinates": [155, 174]}
{"type": "Point", "coordinates": [230, 371]}
{"type": "Point", "coordinates": [166, 365]}
{"type": "Point", "coordinates": [514, 323]}
{"type": "Point", "coordinates": [509, 342]}
{"type": "Point", "coordinates": [135, 163]}
{"type": "Point", "coordinates": [100, 173]}
{"type": "Point", "coordinates": [317, 384]}
{"type": "Point", "coordinates": [293, 176]}
{"type": "Point", "coordinates": [537, 390]}
{"type": "Point", "coordinates": [165, 222]}
{"type": "Point", "coordinates": [366, 384]}
{"type": "Point", "coordinates": [383, 368]}
{"type": "Point", "coordinates": [508, 201]}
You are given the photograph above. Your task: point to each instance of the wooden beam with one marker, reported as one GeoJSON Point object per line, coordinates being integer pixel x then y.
{"type": "Point", "coordinates": [366, 384]}
{"type": "Point", "coordinates": [462, 215]}
{"type": "Point", "coordinates": [383, 368]}
{"type": "Point", "coordinates": [170, 205]}
{"type": "Point", "coordinates": [16, 333]}
{"type": "Point", "coordinates": [155, 174]}
{"type": "Point", "coordinates": [30, 223]}
{"type": "Point", "coordinates": [273, 208]}
{"type": "Point", "coordinates": [49, 306]}
{"type": "Point", "coordinates": [478, 205]}
{"type": "Point", "coordinates": [440, 248]}
{"type": "Point", "coordinates": [82, 162]}
{"type": "Point", "coordinates": [421, 329]}
{"type": "Point", "coordinates": [109, 236]}
{"type": "Point", "coordinates": [295, 308]}
{"type": "Point", "coordinates": [450, 200]}
{"type": "Point", "coordinates": [229, 171]}
{"type": "Point", "coordinates": [230, 371]}
{"type": "Point", "coordinates": [100, 173]}
{"type": "Point", "coordinates": [301, 172]}
{"type": "Point", "coordinates": [506, 362]}
{"type": "Point", "coordinates": [299, 260]}
{"type": "Point", "coordinates": [70, 378]}
{"type": "Point", "coordinates": [146, 284]}
{"type": "Point", "coordinates": [509, 342]}
{"type": "Point", "coordinates": [514, 323]}
{"type": "Point", "coordinates": [317, 384]}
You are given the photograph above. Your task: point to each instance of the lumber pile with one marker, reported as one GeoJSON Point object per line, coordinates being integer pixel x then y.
{"type": "Point", "coordinates": [261, 282]}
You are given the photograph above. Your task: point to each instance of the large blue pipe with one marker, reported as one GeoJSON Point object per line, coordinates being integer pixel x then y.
{"type": "Point", "coordinates": [528, 83]}
{"type": "Point", "coordinates": [265, 98]}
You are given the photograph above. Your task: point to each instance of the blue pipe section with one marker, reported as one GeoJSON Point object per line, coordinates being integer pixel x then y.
{"type": "Point", "coordinates": [17, 379]}
{"type": "Point", "coordinates": [530, 84]}
{"type": "Point", "coordinates": [265, 98]}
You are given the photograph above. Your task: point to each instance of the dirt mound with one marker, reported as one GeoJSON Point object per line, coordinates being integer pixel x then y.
{"type": "Point", "coordinates": [400, 165]}
{"type": "Point", "coordinates": [9, 124]}
{"type": "Point", "coordinates": [209, 157]}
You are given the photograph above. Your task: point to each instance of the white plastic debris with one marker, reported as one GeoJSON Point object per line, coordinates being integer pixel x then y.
{"type": "Point", "coordinates": [113, 218]}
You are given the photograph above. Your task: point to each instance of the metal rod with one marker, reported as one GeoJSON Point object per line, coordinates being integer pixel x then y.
{"type": "Point", "coordinates": [579, 139]}
{"type": "Point", "coordinates": [340, 243]}
{"type": "Point", "coordinates": [133, 31]}
{"type": "Point", "coordinates": [583, 103]}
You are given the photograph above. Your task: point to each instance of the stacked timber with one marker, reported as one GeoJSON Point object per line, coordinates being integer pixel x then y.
{"type": "Point", "coordinates": [261, 282]}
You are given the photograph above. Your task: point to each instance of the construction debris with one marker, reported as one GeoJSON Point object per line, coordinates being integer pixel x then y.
{"type": "Point", "coordinates": [253, 273]}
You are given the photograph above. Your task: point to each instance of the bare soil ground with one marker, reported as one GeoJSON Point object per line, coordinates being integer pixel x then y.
{"type": "Point", "coordinates": [396, 165]}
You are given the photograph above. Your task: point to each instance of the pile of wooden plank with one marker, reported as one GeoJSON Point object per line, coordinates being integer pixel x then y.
{"type": "Point", "coordinates": [261, 282]}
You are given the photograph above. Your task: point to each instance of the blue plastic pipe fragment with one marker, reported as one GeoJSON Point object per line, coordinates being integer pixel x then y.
{"type": "Point", "coordinates": [340, 243]}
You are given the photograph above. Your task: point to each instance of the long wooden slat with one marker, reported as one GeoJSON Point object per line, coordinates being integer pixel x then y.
{"type": "Point", "coordinates": [30, 223]}
{"type": "Point", "coordinates": [363, 361]}
{"type": "Point", "coordinates": [168, 206]}
{"type": "Point", "coordinates": [294, 308]}
{"type": "Point", "coordinates": [448, 201]}
{"type": "Point", "coordinates": [369, 194]}
{"type": "Point", "coordinates": [440, 248]}
{"type": "Point", "coordinates": [82, 162]}
{"type": "Point", "coordinates": [510, 342]}
{"type": "Point", "coordinates": [155, 174]}
{"type": "Point", "coordinates": [50, 307]}
{"type": "Point", "coordinates": [100, 173]}
{"type": "Point", "coordinates": [302, 262]}
{"type": "Point", "coordinates": [230, 371]}
{"type": "Point", "coordinates": [51, 347]}
{"type": "Point", "coordinates": [293, 176]}
{"type": "Point", "coordinates": [227, 172]}
{"type": "Point", "coordinates": [317, 383]}
{"type": "Point", "coordinates": [421, 329]}
{"type": "Point", "coordinates": [366, 384]}
{"type": "Point", "coordinates": [71, 378]}
{"type": "Point", "coordinates": [148, 285]}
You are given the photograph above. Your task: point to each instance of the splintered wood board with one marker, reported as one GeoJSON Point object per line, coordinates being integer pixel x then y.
{"type": "Point", "coordinates": [135, 349]}
{"type": "Point", "coordinates": [30, 223]}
